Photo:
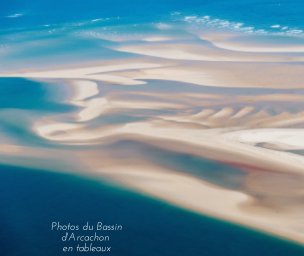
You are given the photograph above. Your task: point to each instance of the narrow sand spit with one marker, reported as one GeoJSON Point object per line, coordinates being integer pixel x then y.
{"type": "Point", "coordinates": [191, 193]}
{"type": "Point", "coordinates": [230, 42]}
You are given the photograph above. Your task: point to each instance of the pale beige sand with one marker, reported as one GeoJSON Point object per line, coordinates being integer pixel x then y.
{"type": "Point", "coordinates": [188, 192]}
{"type": "Point", "coordinates": [290, 121]}
{"type": "Point", "coordinates": [91, 108]}
{"type": "Point", "coordinates": [218, 144]}
{"type": "Point", "coordinates": [260, 49]}
{"type": "Point", "coordinates": [223, 74]}
{"type": "Point", "coordinates": [220, 74]}
{"type": "Point", "coordinates": [230, 42]}
{"type": "Point", "coordinates": [225, 112]}
{"type": "Point", "coordinates": [39, 158]}
{"type": "Point", "coordinates": [213, 139]}
{"type": "Point", "coordinates": [204, 53]}
{"type": "Point", "coordinates": [218, 140]}
{"type": "Point", "coordinates": [157, 39]}
{"type": "Point", "coordinates": [84, 89]}
{"type": "Point", "coordinates": [243, 112]}
{"type": "Point", "coordinates": [47, 128]}
{"type": "Point", "coordinates": [10, 149]}
{"type": "Point", "coordinates": [91, 73]}
{"type": "Point", "coordinates": [129, 37]}
{"type": "Point", "coordinates": [213, 125]}
{"type": "Point", "coordinates": [204, 113]}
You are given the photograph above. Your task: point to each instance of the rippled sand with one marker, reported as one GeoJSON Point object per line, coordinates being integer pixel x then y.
{"type": "Point", "coordinates": [215, 126]}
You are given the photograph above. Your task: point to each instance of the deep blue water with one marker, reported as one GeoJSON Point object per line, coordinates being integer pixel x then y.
{"type": "Point", "coordinates": [28, 207]}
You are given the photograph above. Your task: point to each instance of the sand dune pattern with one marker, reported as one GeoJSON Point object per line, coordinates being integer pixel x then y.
{"type": "Point", "coordinates": [213, 127]}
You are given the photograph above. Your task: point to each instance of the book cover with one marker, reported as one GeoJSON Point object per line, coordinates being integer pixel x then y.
{"type": "Point", "coordinates": [151, 128]}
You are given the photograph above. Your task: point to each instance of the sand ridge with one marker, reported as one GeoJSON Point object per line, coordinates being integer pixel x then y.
{"type": "Point", "coordinates": [242, 107]}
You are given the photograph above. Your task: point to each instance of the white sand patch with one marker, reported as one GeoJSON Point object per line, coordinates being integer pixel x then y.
{"type": "Point", "coordinates": [84, 89]}
{"type": "Point", "coordinates": [288, 139]}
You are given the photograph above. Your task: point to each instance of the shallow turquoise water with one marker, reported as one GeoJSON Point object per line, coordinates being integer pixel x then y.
{"type": "Point", "coordinates": [20, 93]}
{"type": "Point", "coordinates": [44, 33]}
{"type": "Point", "coordinates": [257, 13]}
{"type": "Point", "coordinates": [28, 206]}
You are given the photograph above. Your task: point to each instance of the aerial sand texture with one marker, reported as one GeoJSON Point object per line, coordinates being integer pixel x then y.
{"type": "Point", "coordinates": [221, 102]}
